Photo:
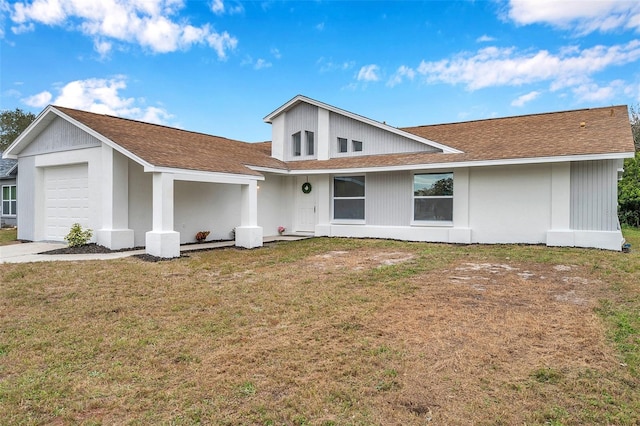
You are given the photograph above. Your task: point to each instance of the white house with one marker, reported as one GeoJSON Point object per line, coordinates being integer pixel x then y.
{"type": "Point", "coordinates": [539, 179]}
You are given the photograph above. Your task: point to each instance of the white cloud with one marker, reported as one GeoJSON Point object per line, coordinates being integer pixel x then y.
{"type": "Point", "coordinates": [276, 53]}
{"type": "Point", "coordinates": [327, 65]}
{"type": "Point", "coordinates": [261, 63]}
{"type": "Point", "coordinates": [494, 66]}
{"type": "Point", "coordinates": [485, 39]}
{"type": "Point", "coordinates": [39, 100]}
{"type": "Point", "coordinates": [102, 47]}
{"type": "Point", "coordinates": [584, 16]}
{"type": "Point", "coordinates": [369, 73]}
{"type": "Point", "coordinates": [633, 91]}
{"type": "Point", "coordinates": [101, 96]}
{"type": "Point", "coordinates": [592, 92]}
{"type": "Point", "coordinates": [525, 98]}
{"type": "Point", "coordinates": [320, 26]}
{"type": "Point", "coordinates": [148, 23]}
{"type": "Point", "coordinates": [219, 7]}
{"type": "Point", "coordinates": [399, 76]}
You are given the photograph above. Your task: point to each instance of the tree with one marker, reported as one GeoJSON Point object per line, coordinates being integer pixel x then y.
{"type": "Point", "coordinates": [629, 185]}
{"type": "Point", "coordinates": [12, 123]}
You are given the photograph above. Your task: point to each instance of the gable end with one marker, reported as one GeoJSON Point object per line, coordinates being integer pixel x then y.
{"type": "Point", "coordinates": [60, 135]}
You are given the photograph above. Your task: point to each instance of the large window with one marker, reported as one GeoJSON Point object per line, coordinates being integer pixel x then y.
{"type": "Point", "coordinates": [433, 197]}
{"type": "Point", "coordinates": [310, 142]}
{"type": "Point", "coordinates": [9, 200]}
{"type": "Point", "coordinates": [297, 144]}
{"type": "Point", "coordinates": [348, 197]}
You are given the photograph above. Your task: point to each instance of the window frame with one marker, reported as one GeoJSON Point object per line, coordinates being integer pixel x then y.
{"type": "Point", "coordinates": [310, 142]}
{"type": "Point", "coordinates": [363, 197]}
{"type": "Point", "coordinates": [357, 144]}
{"type": "Point", "coordinates": [12, 201]}
{"type": "Point", "coordinates": [414, 197]}
{"type": "Point", "coordinates": [296, 144]}
{"type": "Point", "coordinates": [340, 145]}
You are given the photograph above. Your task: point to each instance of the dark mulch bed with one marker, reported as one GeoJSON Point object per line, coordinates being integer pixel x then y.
{"type": "Point", "coordinates": [87, 249]}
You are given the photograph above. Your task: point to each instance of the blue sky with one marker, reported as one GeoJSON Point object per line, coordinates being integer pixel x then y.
{"type": "Point", "coordinates": [220, 66]}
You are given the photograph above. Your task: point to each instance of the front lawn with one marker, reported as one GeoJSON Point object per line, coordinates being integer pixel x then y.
{"type": "Point", "coordinates": [8, 236]}
{"type": "Point", "coordinates": [326, 332]}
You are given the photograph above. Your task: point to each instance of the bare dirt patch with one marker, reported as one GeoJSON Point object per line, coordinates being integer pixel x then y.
{"type": "Point", "coordinates": [475, 332]}
{"type": "Point", "coordinates": [358, 261]}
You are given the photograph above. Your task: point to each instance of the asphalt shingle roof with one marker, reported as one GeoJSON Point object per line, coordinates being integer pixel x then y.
{"type": "Point", "coordinates": [580, 132]}
{"type": "Point", "coordinates": [6, 165]}
{"type": "Point", "coordinates": [164, 146]}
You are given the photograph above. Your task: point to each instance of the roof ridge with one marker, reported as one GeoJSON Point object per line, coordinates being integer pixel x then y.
{"type": "Point", "coordinates": [539, 114]}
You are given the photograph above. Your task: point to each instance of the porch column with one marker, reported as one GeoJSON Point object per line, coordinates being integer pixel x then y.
{"type": "Point", "coordinates": [115, 233]}
{"type": "Point", "coordinates": [162, 240]}
{"type": "Point", "coordinates": [249, 234]}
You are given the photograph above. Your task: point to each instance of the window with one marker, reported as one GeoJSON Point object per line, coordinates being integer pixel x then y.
{"type": "Point", "coordinates": [9, 200]}
{"type": "Point", "coordinates": [342, 145]}
{"type": "Point", "coordinates": [357, 146]}
{"type": "Point", "coordinates": [297, 144]}
{"type": "Point", "coordinates": [348, 197]}
{"type": "Point", "coordinates": [433, 197]}
{"type": "Point", "coordinates": [310, 143]}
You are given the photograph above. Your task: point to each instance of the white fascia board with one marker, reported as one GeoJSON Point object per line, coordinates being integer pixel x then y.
{"type": "Point", "coordinates": [268, 170]}
{"type": "Point", "coordinates": [445, 149]}
{"type": "Point", "coordinates": [454, 165]}
{"type": "Point", "coordinates": [102, 138]}
{"type": "Point", "coordinates": [202, 176]}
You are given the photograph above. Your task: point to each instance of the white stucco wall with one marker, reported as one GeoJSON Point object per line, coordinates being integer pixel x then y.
{"type": "Point", "coordinates": [200, 206]}
{"type": "Point", "coordinates": [140, 202]}
{"type": "Point", "coordinates": [275, 204]}
{"type": "Point", "coordinates": [510, 204]}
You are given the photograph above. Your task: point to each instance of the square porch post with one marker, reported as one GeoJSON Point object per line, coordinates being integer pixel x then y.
{"type": "Point", "coordinates": [115, 233]}
{"type": "Point", "coordinates": [249, 234]}
{"type": "Point", "coordinates": [162, 240]}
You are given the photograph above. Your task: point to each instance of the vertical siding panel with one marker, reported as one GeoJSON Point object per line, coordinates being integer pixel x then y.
{"type": "Point", "coordinates": [388, 199]}
{"type": "Point", "coordinates": [375, 141]}
{"type": "Point", "coordinates": [302, 117]}
{"type": "Point", "coordinates": [594, 195]}
{"type": "Point", "coordinates": [60, 135]}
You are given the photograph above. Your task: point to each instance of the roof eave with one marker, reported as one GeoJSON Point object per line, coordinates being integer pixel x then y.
{"type": "Point", "coordinates": [468, 163]}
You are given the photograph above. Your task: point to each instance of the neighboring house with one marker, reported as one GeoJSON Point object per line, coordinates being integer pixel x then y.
{"type": "Point", "coordinates": [536, 179]}
{"type": "Point", "coordinates": [9, 193]}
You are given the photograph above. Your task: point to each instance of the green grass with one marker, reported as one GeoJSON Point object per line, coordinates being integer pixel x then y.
{"type": "Point", "coordinates": [326, 331]}
{"type": "Point", "coordinates": [8, 235]}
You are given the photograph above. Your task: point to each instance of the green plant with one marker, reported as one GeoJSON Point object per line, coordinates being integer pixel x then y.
{"type": "Point", "coordinates": [77, 236]}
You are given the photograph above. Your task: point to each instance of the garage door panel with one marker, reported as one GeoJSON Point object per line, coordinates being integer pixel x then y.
{"type": "Point", "coordinates": [66, 199]}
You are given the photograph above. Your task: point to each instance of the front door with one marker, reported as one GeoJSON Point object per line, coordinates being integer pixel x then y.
{"type": "Point", "coordinates": [305, 206]}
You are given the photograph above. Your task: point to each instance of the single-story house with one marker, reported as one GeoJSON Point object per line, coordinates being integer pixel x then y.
{"type": "Point", "coordinates": [8, 194]}
{"type": "Point", "coordinates": [536, 179]}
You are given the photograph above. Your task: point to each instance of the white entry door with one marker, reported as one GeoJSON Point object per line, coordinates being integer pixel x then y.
{"type": "Point", "coordinates": [305, 206]}
{"type": "Point", "coordinates": [66, 191]}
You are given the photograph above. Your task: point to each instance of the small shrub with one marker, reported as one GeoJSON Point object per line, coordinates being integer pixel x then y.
{"type": "Point", "coordinates": [77, 236]}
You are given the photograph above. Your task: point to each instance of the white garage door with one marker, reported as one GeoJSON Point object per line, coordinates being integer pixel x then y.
{"type": "Point", "coordinates": [66, 199]}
